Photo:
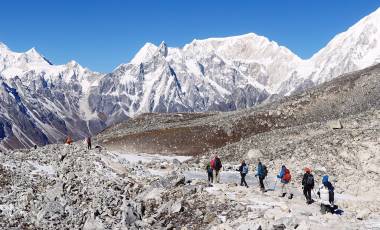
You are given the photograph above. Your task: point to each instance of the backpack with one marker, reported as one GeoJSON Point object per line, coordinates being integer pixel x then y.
{"type": "Point", "coordinates": [245, 169]}
{"type": "Point", "coordinates": [310, 180]}
{"type": "Point", "coordinates": [265, 170]}
{"type": "Point", "coordinates": [218, 164]}
{"type": "Point", "coordinates": [287, 177]}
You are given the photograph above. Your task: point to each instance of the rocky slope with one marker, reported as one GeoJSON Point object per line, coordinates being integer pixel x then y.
{"type": "Point", "coordinates": [345, 96]}
{"type": "Point", "coordinates": [61, 186]}
{"type": "Point", "coordinates": [333, 128]}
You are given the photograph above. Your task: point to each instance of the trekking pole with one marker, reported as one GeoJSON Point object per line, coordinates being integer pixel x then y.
{"type": "Point", "coordinates": [274, 188]}
{"type": "Point", "coordinates": [315, 194]}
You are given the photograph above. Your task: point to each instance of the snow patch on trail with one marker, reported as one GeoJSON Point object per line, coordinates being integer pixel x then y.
{"type": "Point", "coordinates": [42, 169]}
{"type": "Point", "coordinates": [144, 157]}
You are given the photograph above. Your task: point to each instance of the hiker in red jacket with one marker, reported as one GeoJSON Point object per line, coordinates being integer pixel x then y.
{"type": "Point", "coordinates": [216, 165]}
{"type": "Point", "coordinates": [69, 140]}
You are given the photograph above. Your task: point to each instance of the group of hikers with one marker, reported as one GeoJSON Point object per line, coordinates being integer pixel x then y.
{"type": "Point", "coordinates": [87, 141]}
{"type": "Point", "coordinates": [325, 190]}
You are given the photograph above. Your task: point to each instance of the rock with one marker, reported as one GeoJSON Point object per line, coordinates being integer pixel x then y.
{"type": "Point", "coordinates": [180, 180]}
{"type": "Point", "coordinates": [284, 207]}
{"type": "Point", "coordinates": [231, 185]}
{"type": "Point", "coordinates": [198, 213]}
{"type": "Point", "coordinates": [305, 213]}
{"type": "Point", "coordinates": [209, 217]}
{"type": "Point", "coordinates": [176, 162]}
{"type": "Point", "coordinates": [279, 227]}
{"type": "Point", "coordinates": [363, 214]}
{"type": "Point", "coordinates": [176, 207]}
{"type": "Point", "coordinates": [239, 207]}
{"type": "Point", "coordinates": [290, 222]}
{"type": "Point", "coordinates": [254, 154]}
{"type": "Point", "coordinates": [93, 224]}
{"type": "Point", "coordinates": [51, 209]}
{"type": "Point", "coordinates": [132, 213]}
{"type": "Point", "coordinates": [304, 226]}
{"type": "Point", "coordinates": [335, 124]}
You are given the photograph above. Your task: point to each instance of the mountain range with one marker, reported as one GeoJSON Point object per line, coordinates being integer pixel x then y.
{"type": "Point", "coordinates": [41, 103]}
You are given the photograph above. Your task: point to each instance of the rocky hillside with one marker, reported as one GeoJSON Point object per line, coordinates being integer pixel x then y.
{"type": "Point", "coordinates": [334, 129]}
{"type": "Point", "coordinates": [62, 186]}
{"type": "Point", "coordinates": [197, 133]}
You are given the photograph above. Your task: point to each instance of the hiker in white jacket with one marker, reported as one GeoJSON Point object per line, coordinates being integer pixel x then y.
{"type": "Point", "coordinates": [326, 193]}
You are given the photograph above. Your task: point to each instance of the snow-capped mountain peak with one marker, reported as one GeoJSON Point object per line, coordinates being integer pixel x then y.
{"type": "Point", "coordinates": [3, 47]}
{"type": "Point", "coordinates": [145, 53]}
{"type": "Point", "coordinates": [163, 49]}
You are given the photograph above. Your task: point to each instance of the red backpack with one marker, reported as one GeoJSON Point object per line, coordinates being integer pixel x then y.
{"type": "Point", "coordinates": [287, 177]}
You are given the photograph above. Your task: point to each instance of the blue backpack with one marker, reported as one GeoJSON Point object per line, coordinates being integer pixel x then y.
{"type": "Point", "coordinates": [245, 169]}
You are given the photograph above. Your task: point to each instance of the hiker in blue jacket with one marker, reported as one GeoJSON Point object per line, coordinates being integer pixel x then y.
{"type": "Point", "coordinates": [261, 174]}
{"type": "Point", "coordinates": [243, 169]}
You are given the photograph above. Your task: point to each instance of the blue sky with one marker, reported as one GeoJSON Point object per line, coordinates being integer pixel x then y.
{"type": "Point", "coordinates": [101, 34]}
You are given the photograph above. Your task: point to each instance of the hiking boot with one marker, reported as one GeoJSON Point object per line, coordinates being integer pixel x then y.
{"type": "Point", "coordinates": [283, 195]}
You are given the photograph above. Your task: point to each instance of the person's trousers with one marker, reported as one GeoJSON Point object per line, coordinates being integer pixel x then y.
{"type": "Point", "coordinates": [284, 188]}
{"type": "Point", "coordinates": [261, 180]}
{"type": "Point", "coordinates": [210, 177]}
{"type": "Point", "coordinates": [243, 182]}
{"type": "Point", "coordinates": [307, 193]}
{"type": "Point", "coordinates": [216, 175]}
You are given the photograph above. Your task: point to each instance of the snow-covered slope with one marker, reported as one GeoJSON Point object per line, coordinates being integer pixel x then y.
{"type": "Point", "coordinates": [354, 49]}
{"type": "Point", "coordinates": [206, 75]}
{"type": "Point", "coordinates": [41, 103]}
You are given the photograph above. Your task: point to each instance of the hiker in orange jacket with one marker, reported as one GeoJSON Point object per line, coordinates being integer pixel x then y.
{"type": "Point", "coordinates": [69, 141]}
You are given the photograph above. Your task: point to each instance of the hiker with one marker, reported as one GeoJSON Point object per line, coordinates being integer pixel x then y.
{"type": "Point", "coordinates": [243, 169]}
{"type": "Point", "coordinates": [326, 193]}
{"type": "Point", "coordinates": [261, 173]}
{"type": "Point", "coordinates": [88, 140]}
{"type": "Point", "coordinates": [307, 185]}
{"type": "Point", "coordinates": [69, 141]}
{"type": "Point", "coordinates": [285, 177]}
{"type": "Point", "coordinates": [216, 165]}
{"type": "Point", "coordinates": [35, 146]}
{"type": "Point", "coordinates": [209, 172]}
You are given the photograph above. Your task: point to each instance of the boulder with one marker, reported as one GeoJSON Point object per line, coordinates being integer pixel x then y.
{"type": "Point", "coordinates": [254, 154]}
{"type": "Point", "coordinates": [176, 162]}
{"type": "Point", "coordinates": [363, 214]}
{"type": "Point", "coordinates": [176, 207]}
{"type": "Point", "coordinates": [209, 217]}
{"type": "Point", "coordinates": [335, 124]}
{"type": "Point", "coordinates": [93, 224]}
{"type": "Point", "coordinates": [279, 227]}
{"type": "Point", "coordinates": [179, 180]}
